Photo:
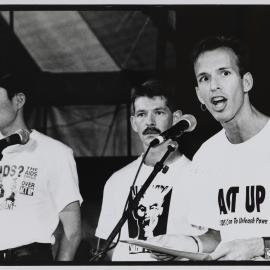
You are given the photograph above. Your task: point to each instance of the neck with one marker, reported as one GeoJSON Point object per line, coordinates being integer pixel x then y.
{"type": "Point", "coordinates": [155, 154]}
{"type": "Point", "coordinates": [245, 127]}
{"type": "Point", "coordinates": [16, 125]}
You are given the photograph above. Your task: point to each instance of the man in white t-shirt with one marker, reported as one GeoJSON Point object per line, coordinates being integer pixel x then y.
{"type": "Point", "coordinates": [231, 169]}
{"type": "Point", "coordinates": [39, 186]}
{"type": "Point", "coordinates": [153, 111]}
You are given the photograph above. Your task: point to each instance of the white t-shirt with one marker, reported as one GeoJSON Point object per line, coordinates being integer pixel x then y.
{"type": "Point", "coordinates": [232, 193]}
{"type": "Point", "coordinates": [37, 180]}
{"type": "Point", "coordinates": [155, 214]}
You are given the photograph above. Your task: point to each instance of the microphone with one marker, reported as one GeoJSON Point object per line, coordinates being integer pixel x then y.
{"type": "Point", "coordinates": [21, 136]}
{"type": "Point", "coordinates": [187, 123]}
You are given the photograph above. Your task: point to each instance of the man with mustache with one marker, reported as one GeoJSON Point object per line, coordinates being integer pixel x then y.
{"type": "Point", "coordinates": [153, 111]}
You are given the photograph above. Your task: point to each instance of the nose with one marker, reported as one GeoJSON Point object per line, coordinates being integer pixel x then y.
{"type": "Point", "coordinates": [214, 84]}
{"type": "Point", "coordinates": [151, 120]}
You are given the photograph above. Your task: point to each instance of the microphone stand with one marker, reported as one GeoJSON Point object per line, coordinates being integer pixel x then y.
{"type": "Point", "coordinates": [157, 168]}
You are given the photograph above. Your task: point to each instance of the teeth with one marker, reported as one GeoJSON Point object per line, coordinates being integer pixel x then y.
{"type": "Point", "coordinates": [216, 100]}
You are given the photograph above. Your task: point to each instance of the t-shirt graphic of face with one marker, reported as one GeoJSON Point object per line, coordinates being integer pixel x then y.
{"type": "Point", "coordinates": [150, 216]}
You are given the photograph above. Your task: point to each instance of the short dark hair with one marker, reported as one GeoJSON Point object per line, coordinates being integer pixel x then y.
{"type": "Point", "coordinates": [152, 88]}
{"type": "Point", "coordinates": [233, 43]}
{"type": "Point", "coordinates": [14, 83]}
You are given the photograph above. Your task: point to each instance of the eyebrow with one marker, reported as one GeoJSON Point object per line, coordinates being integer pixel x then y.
{"type": "Point", "coordinates": [140, 111]}
{"type": "Point", "coordinates": [201, 74]}
{"type": "Point", "coordinates": [219, 69]}
{"type": "Point", "coordinates": [155, 109]}
{"type": "Point", "coordinates": [224, 68]}
{"type": "Point", "coordinates": [160, 108]}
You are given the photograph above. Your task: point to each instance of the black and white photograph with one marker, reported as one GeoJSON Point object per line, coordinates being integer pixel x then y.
{"type": "Point", "coordinates": [134, 134]}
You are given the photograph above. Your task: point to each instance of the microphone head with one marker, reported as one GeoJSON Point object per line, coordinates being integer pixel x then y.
{"type": "Point", "coordinates": [192, 122]}
{"type": "Point", "coordinates": [24, 135]}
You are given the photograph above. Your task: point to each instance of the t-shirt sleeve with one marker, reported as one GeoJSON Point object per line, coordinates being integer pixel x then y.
{"type": "Point", "coordinates": [108, 218]}
{"type": "Point", "coordinates": [63, 182]}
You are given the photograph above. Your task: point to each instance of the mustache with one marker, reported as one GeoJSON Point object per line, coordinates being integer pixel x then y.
{"type": "Point", "coordinates": [151, 130]}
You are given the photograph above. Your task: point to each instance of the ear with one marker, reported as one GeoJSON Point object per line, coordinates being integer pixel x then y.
{"type": "Point", "coordinates": [198, 94]}
{"type": "Point", "coordinates": [177, 116]}
{"type": "Point", "coordinates": [133, 123]}
{"type": "Point", "coordinates": [19, 100]}
{"type": "Point", "coordinates": [247, 82]}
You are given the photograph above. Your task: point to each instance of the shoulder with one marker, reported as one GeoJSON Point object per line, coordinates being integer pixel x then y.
{"type": "Point", "coordinates": [267, 125]}
{"type": "Point", "coordinates": [48, 144]}
{"type": "Point", "coordinates": [124, 174]}
{"type": "Point", "coordinates": [211, 145]}
{"type": "Point", "coordinates": [184, 160]}
{"type": "Point", "coordinates": [180, 163]}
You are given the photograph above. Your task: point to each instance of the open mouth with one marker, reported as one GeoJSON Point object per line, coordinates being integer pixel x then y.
{"type": "Point", "coordinates": [219, 101]}
{"type": "Point", "coordinates": [146, 222]}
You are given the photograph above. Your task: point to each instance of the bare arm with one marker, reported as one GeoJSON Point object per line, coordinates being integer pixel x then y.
{"type": "Point", "coordinates": [240, 249]}
{"type": "Point", "coordinates": [210, 240]}
{"type": "Point", "coordinates": [70, 217]}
